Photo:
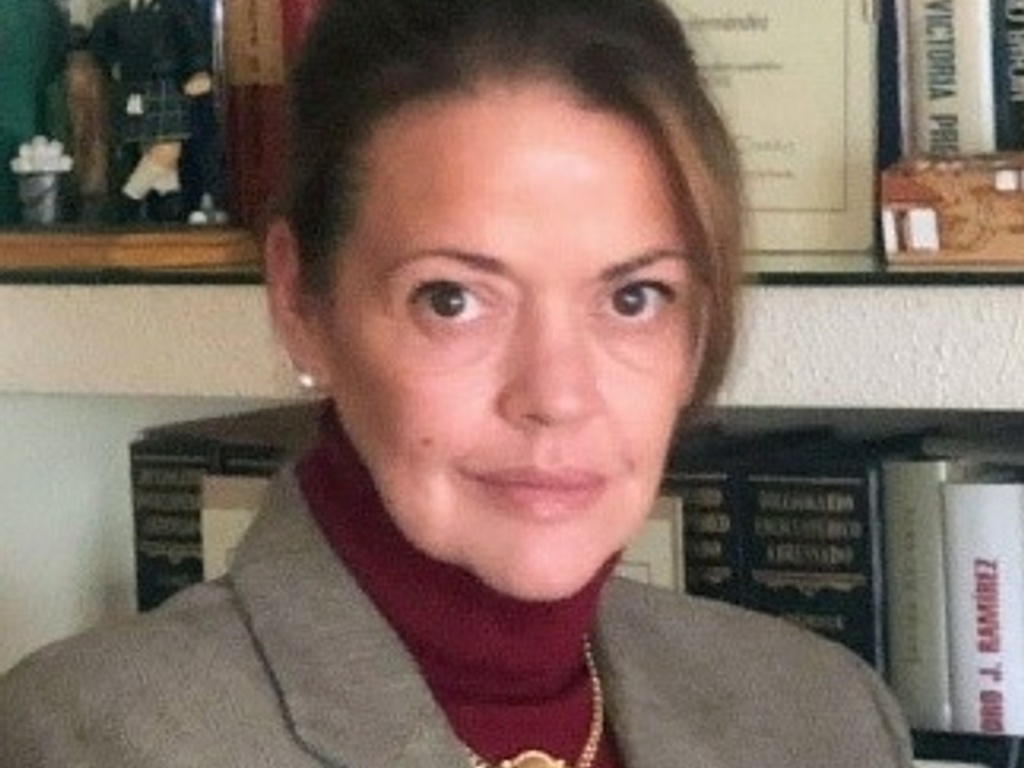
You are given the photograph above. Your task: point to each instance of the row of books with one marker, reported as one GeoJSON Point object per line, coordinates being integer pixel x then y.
{"type": "Point", "coordinates": [907, 548]}
{"type": "Point", "coordinates": [787, 523]}
{"type": "Point", "coordinates": [956, 591]}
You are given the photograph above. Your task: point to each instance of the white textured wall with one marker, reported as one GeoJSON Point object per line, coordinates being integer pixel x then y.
{"type": "Point", "coordinates": [956, 347]}
{"type": "Point", "coordinates": [162, 340]}
{"type": "Point", "coordinates": [828, 346]}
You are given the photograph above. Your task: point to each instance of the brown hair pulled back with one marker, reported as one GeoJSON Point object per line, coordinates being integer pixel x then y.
{"type": "Point", "coordinates": [365, 59]}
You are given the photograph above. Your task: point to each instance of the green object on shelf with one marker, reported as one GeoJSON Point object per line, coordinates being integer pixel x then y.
{"type": "Point", "coordinates": [33, 39]}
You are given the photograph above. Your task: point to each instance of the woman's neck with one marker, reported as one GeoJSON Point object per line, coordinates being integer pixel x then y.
{"type": "Point", "coordinates": [463, 633]}
{"type": "Point", "coordinates": [491, 661]}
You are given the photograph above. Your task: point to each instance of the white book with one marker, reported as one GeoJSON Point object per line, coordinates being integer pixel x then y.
{"type": "Point", "coordinates": [229, 505]}
{"type": "Point", "coordinates": [796, 80]}
{"type": "Point", "coordinates": [655, 554]}
{"type": "Point", "coordinates": [912, 504]}
{"type": "Point", "coordinates": [984, 525]}
{"type": "Point", "coordinates": [949, 73]}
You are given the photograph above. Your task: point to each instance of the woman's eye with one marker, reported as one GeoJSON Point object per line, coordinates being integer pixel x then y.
{"type": "Point", "coordinates": [641, 299]}
{"type": "Point", "coordinates": [447, 300]}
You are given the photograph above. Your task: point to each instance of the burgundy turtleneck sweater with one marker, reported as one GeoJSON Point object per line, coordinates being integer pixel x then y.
{"type": "Point", "coordinates": [509, 674]}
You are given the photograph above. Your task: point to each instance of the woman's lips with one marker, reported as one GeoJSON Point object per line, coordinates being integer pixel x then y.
{"type": "Point", "coordinates": [542, 494]}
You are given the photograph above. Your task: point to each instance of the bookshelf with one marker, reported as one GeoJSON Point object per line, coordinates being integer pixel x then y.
{"type": "Point", "coordinates": [68, 248]}
{"type": "Point", "coordinates": [84, 367]}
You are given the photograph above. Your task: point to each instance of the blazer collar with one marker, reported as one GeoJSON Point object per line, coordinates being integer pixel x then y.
{"type": "Point", "coordinates": [353, 694]}
{"type": "Point", "coordinates": [347, 685]}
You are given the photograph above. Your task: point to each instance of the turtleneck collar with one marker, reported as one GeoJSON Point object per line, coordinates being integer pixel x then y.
{"type": "Point", "coordinates": [483, 654]}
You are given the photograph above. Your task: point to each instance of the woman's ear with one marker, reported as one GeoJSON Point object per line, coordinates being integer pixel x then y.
{"type": "Point", "coordinates": [292, 310]}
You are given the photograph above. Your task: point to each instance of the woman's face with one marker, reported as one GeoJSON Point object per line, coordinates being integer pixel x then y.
{"type": "Point", "coordinates": [513, 332]}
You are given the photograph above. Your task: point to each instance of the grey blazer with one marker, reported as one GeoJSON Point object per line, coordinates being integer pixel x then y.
{"type": "Point", "coordinates": [286, 664]}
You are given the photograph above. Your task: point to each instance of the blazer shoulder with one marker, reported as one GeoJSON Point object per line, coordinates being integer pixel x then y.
{"type": "Point", "coordinates": [714, 627]}
{"type": "Point", "coordinates": [738, 674]}
{"type": "Point", "coordinates": [136, 676]}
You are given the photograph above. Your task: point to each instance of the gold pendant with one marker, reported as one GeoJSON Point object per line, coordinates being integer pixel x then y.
{"type": "Point", "coordinates": [533, 758]}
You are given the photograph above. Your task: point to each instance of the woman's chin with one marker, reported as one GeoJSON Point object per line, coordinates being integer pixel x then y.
{"type": "Point", "coordinates": [538, 586]}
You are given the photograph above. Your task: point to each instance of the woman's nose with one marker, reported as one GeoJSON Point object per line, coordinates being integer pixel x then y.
{"type": "Point", "coordinates": [551, 372]}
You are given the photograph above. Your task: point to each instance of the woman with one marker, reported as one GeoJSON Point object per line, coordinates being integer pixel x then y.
{"type": "Point", "coordinates": [507, 259]}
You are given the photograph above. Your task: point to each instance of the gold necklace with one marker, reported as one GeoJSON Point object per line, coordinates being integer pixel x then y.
{"type": "Point", "coordinates": [535, 758]}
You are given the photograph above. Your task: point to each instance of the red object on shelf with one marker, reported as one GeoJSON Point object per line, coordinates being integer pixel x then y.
{"type": "Point", "coordinates": [262, 38]}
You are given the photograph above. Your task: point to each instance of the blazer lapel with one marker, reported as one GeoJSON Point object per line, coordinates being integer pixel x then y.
{"type": "Point", "coordinates": [347, 684]}
{"type": "Point", "coordinates": [353, 694]}
{"type": "Point", "coordinates": [651, 731]}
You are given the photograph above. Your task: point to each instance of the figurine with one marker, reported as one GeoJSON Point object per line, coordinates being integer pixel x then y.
{"type": "Point", "coordinates": [157, 57]}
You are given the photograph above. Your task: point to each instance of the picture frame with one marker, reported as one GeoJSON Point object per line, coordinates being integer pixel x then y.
{"type": "Point", "coordinates": [807, 150]}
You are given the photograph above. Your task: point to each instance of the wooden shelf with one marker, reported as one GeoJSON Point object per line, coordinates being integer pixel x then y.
{"type": "Point", "coordinates": [176, 248]}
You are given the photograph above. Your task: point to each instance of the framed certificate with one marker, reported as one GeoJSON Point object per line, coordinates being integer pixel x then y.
{"type": "Point", "coordinates": [796, 80]}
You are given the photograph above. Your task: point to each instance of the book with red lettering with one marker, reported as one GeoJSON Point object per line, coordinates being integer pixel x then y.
{"type": "Point", "coordinates": [984, 549]}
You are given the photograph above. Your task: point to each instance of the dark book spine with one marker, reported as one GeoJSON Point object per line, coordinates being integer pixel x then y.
{"type": "Point", "coordinates": [969, 749]}
{"type": "Point", "coordinates": [256, 459]}
{"type": "Point", "coordinates": [892, 120]}
{"type": "Point", "coordinates": [712, 540]}
{"type": "Point", "coordinates": [1008, 73]}
{"type": "Point", "coordinates": [166, 485]}
{"type": "Point", "coordinates": [814, 553]}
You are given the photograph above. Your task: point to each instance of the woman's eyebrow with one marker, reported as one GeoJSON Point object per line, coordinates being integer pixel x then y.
{"type": "Point", "coordinates": [629, 266]}
{"type": "Point", "coordinates": [471, 259]}
{"type": "Point", "coordinates": [495, 266]}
